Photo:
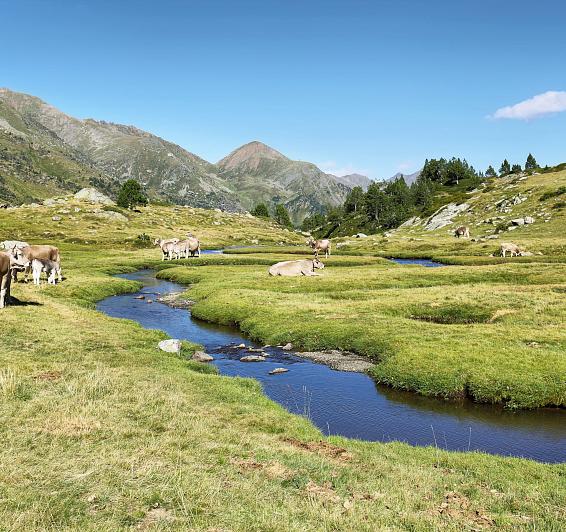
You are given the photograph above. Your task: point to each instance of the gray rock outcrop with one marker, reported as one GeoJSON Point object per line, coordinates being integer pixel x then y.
{"type": "Point", "coordinates": [94, 196]}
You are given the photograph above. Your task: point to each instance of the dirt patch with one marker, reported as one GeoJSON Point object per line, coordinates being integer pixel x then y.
{"type": "Point", "coordinates": [49, 376]}
{"type": "Point", "coordinates": [456, 506]}
{"type": "Point", "coordinates": [339, 360]}
{"type": "Point", "coordinates": [321, 447]}
{"type": "Point", "coordinates": [325, 491]}
{"type": "Point", "coordinates": [156, 516]}
{"type": "Point", "coordinates": [273, 469]}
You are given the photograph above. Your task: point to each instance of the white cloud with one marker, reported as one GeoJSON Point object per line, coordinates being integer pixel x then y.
{"type": "Point", "coordinates": [332, 167]}
{"type": "Point", "coordinates": [539, 105]}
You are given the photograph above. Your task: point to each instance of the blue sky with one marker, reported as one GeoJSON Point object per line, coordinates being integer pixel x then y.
{"type": "Point", "coordinates": [367, 86]}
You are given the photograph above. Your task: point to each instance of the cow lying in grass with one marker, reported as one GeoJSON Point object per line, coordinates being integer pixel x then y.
{"type": "Point", "coordinates": [295, 268]}
{"type": "Point", "coordinates": [8, 264]}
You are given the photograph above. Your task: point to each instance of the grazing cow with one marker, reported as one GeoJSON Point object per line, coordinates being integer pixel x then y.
{"type": "Point", "coordinates": [50, 267]}
{"type": "Point", "coordinates": [167, 247]}
{"type": "Point", "coordinates": [507, 247]}
{"type": "Point", "coordinates": [295, 268]}
{"type": "Point", "coordinates": [319, 245]}
{"type": "Point", "coordinates": [193, 245]}
{"type": "Point", "coordinates": [463, 230]}
{"type": "Point", "coordinates": [42, 252]}
{"type": "Point", "coordinates": [8, 263]}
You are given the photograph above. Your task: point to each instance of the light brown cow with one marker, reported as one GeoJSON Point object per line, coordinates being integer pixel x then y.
{"type": "Point", "coordinates": [8, 263]}
{"type": "Point", "coordinates": [513, 249]}
{"type": "Point", "coordinates": [167, 247]}
{"type": "Point", "coordinates": [193, 245]}
{"type": "Point", "coordinates": [41, 252]}
{"type": "Point", "coordinates": [320, 245]}
{"type": "Point", "coordinates": [463, 230]}
{"type": "Point", "coordinates": [295, 268]}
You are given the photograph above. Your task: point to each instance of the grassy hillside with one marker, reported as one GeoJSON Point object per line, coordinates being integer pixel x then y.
{"type": "Point", "coordinates": [82, 223]}
{"type": "Point", "coordinates": [540, 196]}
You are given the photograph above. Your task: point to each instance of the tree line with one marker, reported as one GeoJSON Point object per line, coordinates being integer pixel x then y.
{"type": "Point", "coordinates": [387, 205]}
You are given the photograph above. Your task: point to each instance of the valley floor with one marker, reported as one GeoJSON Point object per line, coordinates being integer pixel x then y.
{"type": "Point", "coordinates": [101, 431]}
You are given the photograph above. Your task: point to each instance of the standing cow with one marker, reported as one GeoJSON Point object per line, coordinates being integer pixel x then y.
{"type": "Point", "coordinates": [41, 252]}
{"type": "Point", "coordinates": [463, 231]}
{"type": "Point", "coordinates": [167, 247]}
{"type": "Point", "coordinates": [8, 264]}
{"type": "Point", "coordinates": [320, 245]}
{"type": "Point", "coordinates": [508, 247]}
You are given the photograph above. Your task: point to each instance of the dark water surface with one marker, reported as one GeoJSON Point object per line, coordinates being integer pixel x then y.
{"type": "Point", "coordinates": [351, 404]}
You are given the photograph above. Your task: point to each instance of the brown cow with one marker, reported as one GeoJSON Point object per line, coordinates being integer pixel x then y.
{"type": "Point", "coordinates": [41, 252]}
{"type": "Point", "coordinates": [464, 231]}
{"type": "Point", "coordinates": [167, 247]}
{"type": "Point", "coordinates": [320, 245]}
{"type": "Point", "coordinates": [513, 249]}
{"type": "Point", "coordinates": [8, 264]}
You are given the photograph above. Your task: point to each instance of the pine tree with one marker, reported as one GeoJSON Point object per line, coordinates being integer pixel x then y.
{"type": "Point", "coordinates": [516, 169]}
{"type": "Point", "coordinates": [131, 195]}
{"type": "Point", "coordinates": [505, 168]}
{"type": "Point", "coordinates": [490, 172]}
{"type": "Point", "coordinates": [282, 216]}
{"type": "Point", "coordinates": [261, 211]}
{"type": "Point", "coordinates": [531, 163]}
{"type": "Point", "coordinates": [354, 199]}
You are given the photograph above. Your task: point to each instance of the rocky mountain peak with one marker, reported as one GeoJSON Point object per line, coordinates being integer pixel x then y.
{"type": "Point", "coordinates": [250, 156]}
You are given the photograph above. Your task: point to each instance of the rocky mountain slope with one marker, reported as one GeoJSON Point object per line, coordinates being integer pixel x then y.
{"type": "Point", "coordinates": [261, 174]}
{"type": "Point", "coordinates": [354, 180]}
{"type": "Point", "coordinates": [44, 151]}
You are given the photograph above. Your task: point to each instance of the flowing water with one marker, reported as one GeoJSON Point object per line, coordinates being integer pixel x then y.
{"type": "Point", "coordinates": [352, 404]}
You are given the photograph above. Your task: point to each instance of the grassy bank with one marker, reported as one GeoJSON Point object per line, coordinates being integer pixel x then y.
{"type": "Point", "coordinates": [101, 431]}
{"type": "Point", "coordinates": [494, 333]}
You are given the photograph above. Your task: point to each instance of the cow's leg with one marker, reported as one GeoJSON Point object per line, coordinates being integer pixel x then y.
{"type": "Point", "coordinates": [4, 289]}
{"type": "Point", "coordinates": [198, 250]}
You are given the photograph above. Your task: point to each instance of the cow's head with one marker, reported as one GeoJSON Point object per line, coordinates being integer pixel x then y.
{"type": "Point", "coordinates": [157, 241]}
{"type": "Point", "coordinates": [18, 261]}
{"type": "Point", "coordinates": [317, 264]}
{"type": "Point", "coordinates": [310, 242]}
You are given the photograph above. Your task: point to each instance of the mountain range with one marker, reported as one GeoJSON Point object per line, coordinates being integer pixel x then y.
{"type": "Point", "coordinates": [45, 152]}
{"type": "Point", "coordinates": [408, 178]}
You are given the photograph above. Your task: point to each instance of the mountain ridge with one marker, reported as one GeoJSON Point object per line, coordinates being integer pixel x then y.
{"type": "Point", "coordinates": [105, 154]}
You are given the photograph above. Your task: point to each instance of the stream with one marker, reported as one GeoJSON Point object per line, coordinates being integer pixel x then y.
{"type": "Point", "coordinates": [351, 404]}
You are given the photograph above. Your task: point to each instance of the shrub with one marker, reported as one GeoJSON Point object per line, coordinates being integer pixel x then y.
{"type": "Point", "coordinates": [143, 241]}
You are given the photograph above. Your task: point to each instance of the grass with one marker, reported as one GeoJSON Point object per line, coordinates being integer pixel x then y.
{"type": "Point", "coordinates": [439, 331]}
{"type": "Point", "coordinates": [101, 430]}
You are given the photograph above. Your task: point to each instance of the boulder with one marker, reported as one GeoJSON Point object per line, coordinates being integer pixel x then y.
{"type": "Point", "coordinates": [287, 347]}
{"type": "Point", "coordinates": [111, 215]}
{"type": "Point", "coordinates": [518, 221]}
{"type": "Point", "coordinates": [443, 216]}
{"type": "Point", "coordinates": [252, 358]}
{"type": "Point", "coordinates": [56, 218]}
{"type": "Point", "coordinates": [360, 235]}
{"type": "Point", "coordinates": [49, 202]}
{"type": "Point", "coordinates": [276, 371]}
{"type": "Point", "coordinates": [529, 220]}
{"type": "Point", "coordinates": [93, 196]}
{"type": "Point", "coordinates": [170, 346]}
{"type": "Point", "coordinates": [201, 356]}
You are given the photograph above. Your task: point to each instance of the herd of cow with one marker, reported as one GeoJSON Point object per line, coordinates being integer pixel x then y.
{"type": "Point", "coordinates": [21, 257]}
{"type": "Point", "coordinates": [173, 248]}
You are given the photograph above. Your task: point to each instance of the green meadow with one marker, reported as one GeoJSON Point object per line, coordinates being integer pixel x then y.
{"type": "Point", "coordinates": [102, 431]}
